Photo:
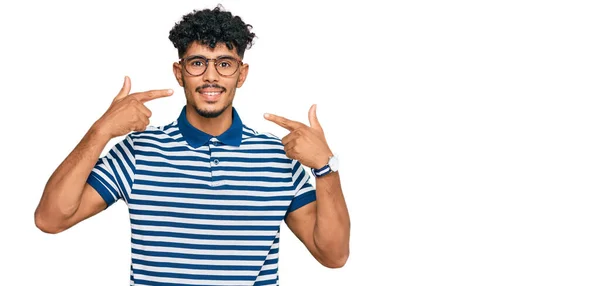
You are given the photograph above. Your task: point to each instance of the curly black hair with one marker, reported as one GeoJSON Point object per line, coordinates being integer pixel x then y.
{"type": "Point", "coordinates": [210, 27]}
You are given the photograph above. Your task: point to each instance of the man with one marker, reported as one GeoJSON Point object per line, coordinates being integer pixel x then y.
{"type": "Point", "coordinates": [206, 194]}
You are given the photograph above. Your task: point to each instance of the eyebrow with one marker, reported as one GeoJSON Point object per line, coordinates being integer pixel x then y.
{"type": "Point", "coordinates": [205, 57]}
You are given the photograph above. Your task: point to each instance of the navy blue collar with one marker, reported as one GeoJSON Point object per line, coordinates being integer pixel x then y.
{"type": "Point", "coordinates": [197, 138]}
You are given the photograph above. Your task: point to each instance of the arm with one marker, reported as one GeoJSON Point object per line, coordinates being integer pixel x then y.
{"type": "Point", "coordinates": [323, 226]}
{"type": "Point", "coordinates": [68, 198]}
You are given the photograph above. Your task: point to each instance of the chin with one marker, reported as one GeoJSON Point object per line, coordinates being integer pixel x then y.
{"type": "Point", "coordinates": [211, 111]}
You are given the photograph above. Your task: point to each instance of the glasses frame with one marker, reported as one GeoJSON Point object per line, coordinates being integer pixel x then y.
{"type": "Point", "coordinates": [182, 62]}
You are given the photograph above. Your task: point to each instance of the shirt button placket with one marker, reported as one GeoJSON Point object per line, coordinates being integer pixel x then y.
{"type": "Point", "coordinates": [214, 163]}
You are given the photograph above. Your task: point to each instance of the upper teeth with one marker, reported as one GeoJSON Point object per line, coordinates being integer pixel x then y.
{"type": "Point", "coordinates": [211, 93]}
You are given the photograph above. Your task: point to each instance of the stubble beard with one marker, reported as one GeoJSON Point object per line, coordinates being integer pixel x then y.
{"type": "Point", "coordinates": [206, 113]}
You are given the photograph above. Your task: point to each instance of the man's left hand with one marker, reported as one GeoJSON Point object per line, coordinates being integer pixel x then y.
{"type": "Point", "coordinates": [306, 144]}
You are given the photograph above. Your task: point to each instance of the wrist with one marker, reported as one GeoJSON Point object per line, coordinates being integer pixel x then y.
{"type": "Point", "coordinates": [323, 160]}
{"type": "Point", "coordinates": [97, 133]}
{"type": "Point", "coordinates": [331, 166]}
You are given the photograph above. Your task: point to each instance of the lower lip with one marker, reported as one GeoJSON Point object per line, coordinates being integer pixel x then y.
{"type": "Point", "coordinates": [211, 98]}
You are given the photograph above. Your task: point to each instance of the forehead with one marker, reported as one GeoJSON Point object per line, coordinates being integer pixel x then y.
{"type": "Point", "coordinates": [204, 50]}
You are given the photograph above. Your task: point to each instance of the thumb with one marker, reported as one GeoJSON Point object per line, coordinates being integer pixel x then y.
{"type": "Point", "coordinates": [312, 118]}
{"type": "Point", "coordinates": [125, 89]}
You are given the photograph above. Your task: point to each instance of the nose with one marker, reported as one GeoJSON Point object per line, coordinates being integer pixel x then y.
{"type": "Point", "coordinates": [211, 74]}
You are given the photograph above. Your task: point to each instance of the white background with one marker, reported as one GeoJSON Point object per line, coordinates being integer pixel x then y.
{"type": "Point", "coordinates": [467, 131]}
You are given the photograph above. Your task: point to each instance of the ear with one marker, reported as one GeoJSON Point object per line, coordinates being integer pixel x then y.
{"type": "Point", "coordinates": [243, 74]}
{"type": "Point", "coordinates": [177, 71]}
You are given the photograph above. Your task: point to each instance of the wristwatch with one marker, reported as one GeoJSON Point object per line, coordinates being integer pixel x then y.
{"type": "Point", "coordinates": [332, 166]}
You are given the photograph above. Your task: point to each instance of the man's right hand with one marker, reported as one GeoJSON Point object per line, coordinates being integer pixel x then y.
{"type": "Point", "coordinates": [127, 112]}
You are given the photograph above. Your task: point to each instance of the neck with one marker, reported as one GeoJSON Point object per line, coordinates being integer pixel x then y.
{"type": "Point", "coordinates": [213, 126]}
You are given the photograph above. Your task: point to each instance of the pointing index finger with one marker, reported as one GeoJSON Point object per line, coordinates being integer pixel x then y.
{"type": "Point", "coordinates": [152, 94]}
{"type": "Point", "coordinates": [290, 125]}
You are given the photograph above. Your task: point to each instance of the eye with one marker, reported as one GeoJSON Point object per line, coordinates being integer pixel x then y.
{"type": "Point", "coordinates": [196, 63]}
{"type": "Point", "coordinates": [225, 63]}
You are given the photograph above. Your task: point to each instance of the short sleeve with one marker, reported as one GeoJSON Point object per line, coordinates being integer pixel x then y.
{"type": "Point", "coordinates": [112, 176]}
{"type": "Point", "coordinates": [305, 192]}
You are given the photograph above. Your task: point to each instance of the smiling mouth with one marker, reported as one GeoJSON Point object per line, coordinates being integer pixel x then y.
{"type": "Point", "coordinates": [211, 95]}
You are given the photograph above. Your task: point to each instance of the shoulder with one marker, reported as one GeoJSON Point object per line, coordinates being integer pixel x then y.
{"type": "Point", "coordinates": [161, 133]}
{"type": "Point", "coordinates": [250, 135]}
{"type": "Point", "coordinates": [268, 144]}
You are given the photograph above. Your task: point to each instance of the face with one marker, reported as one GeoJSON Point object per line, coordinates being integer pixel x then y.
{"type": "Point", "coordinates": [209, 93]}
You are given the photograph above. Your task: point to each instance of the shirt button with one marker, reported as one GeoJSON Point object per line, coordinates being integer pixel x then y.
{"type": "Point", "coordinates": [216, 161]}
{"type": "Point", "coordinates": [217, 143]}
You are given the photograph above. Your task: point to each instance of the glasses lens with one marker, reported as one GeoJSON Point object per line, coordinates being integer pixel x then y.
{"type": "Point", "coordinates": [227, 66]}
{"type": "Point", "coordinates": [195, 66]}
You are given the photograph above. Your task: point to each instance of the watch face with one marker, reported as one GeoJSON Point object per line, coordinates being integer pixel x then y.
{"type": "Point", "coordinates": [334, 164]}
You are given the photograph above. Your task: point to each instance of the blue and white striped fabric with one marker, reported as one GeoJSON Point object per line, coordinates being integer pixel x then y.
{"type": "Point", "coordinates": [204, 210]}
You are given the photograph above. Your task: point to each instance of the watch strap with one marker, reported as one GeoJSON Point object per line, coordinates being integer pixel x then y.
{"type": "Point", "coordinates": [322, 171]}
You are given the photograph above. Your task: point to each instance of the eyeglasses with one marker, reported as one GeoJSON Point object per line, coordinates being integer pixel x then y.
{"type": "Point", "coordinates": [196, 65]}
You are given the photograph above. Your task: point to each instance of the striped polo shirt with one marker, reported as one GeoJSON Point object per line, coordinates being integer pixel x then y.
{"type": "Point", "coordinates": [204, 210]}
